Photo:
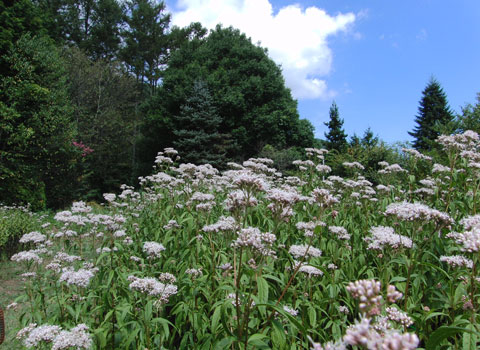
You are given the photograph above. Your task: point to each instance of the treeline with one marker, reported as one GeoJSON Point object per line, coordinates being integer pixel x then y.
{"type": "Point", "coordinates": [91, 90]}
{"type": "Point", "coordinates": [434, 118]}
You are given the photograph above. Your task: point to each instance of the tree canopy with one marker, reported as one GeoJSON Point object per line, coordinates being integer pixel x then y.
{"type": "Point", "coordinates": [247, 89]}
{"type": "Point", "coordinates": [336, 137]}
{"type": "Point", "coordinates": [433, 113]}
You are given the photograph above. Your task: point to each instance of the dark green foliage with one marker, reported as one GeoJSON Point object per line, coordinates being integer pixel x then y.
{"type": "Point", "coordinates": [104, 98]}
{"type": "Point", "coordinates": [146, 40]}
{"type": "Point", "coordinates": [17, 18]}
{"type": "Point", "coordinates": [196, 129]}
{"type": "Point", "coordinates": [14, 223]}
{"type": "Point", "coordinates": [336, 137]}
{"type": "Point", "coordinates": [283, 158]}
{"type": "Point", "coordinates": [92, 25]}
{"type": "Point", "coordinates": [36, 133]}
{"type": "Point", "coordinates": [368, 150]}
{"type": "Point", "coordinates": [105, 33]}
{"type": "Point", "coordinates": [434, 115]}
{"type": "Point", "coordinates": [470, 117]}
{"type": "Point", "coordinates": [248, 92]}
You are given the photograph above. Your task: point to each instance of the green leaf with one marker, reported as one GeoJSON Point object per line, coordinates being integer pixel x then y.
{"type": "Point", "coordinates": [312, 316]}
{"type": "Point", "coordinates": [443, 333]}
{"type": "Point", "coordinates": [224, 343]}
{"type": "Point", "coordinates": [469, 340]}
{"type": "Point", "coordinates": [102, 340]}
{"type": "Point", "coordinates": [278, 335]}
{"type": "Point", "coordinates": [216, 318]}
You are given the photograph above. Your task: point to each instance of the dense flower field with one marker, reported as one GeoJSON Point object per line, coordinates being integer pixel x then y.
{"type": "Point", "coordinates": [249, 259]}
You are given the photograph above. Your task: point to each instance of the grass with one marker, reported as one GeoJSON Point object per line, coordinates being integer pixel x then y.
{"type": "Point", "coordinates": [11, 286]}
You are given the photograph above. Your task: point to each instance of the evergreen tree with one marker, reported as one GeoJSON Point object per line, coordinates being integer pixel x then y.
{"type": "Point", "coordinates": [247, 88]}
{"type": "Point", "coordinates": [336, 137]}
{"type": "Point", "coordinates": [196, 128]}
{"type": "Point", "coordinates": [91, 25]}
{"type": "Point", "coordinates": [146, 40]}
{"type": "Point", "coordinates": [434, 113]}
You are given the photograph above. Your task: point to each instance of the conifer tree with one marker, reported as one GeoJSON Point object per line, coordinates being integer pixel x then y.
{"type": "Point", "coordinates": [196, 128]}
{"type": "Point", "coordinates": [433, 113]}
{"type": "Point", "coordinates": [336, 137]}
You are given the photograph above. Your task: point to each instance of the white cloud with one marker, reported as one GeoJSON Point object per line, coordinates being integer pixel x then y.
{"type": "Point", "coordinates": [296, 38]}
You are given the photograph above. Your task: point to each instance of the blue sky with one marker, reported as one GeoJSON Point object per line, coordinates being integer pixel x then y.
{"type": "Point", "coordinates": [373, 57]}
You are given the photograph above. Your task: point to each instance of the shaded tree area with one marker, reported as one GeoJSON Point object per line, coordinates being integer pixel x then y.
{"type": "Point", "coordinates": [247, 89]}
{"type": "Point", "coordinates": [104, 100]}
{"type": "Point", "coordinates": [37, 158]}
{"type": "Point", "coordinates": [91, 90]}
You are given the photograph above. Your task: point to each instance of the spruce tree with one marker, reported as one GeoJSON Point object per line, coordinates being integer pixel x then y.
{"type": "Point", "coordinates": [433, 113]}
{"type": "Point", "coordinates": [336, 137]}
{"type": "Point", "coordinates": [196, 128]}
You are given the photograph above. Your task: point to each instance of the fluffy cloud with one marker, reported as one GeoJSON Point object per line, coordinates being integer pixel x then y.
{"type": "Point", "coordinates": [296, 38]}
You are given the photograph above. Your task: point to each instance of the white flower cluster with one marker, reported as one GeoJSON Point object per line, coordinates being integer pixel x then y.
{"type": "Point", "coordinates": [339, 231]}
{"type": "Point", "coordinates": [250, 181]}
{"type": "Point", "coordinates": [439, 168]}
{"type": "Point", "coordinates": [307, 269]}
{"type": "Point", "coordinates": [323, 169]}
{"type": "Point", "coordinates": [303, 164]}
{"type": "Point", "coordinates": [398, 316]}
{"type": "Point", "coordinates": [153, 287]}
{"type": "Point", "coordinates": [290, 310]}
{"type": "Point", "coordinates": [238, 199]}
{"type": "Point", "coordinates": [251, 237]}
{"type": "Point", "coordinates": [393, 295]}
{"type": "Point", "coordinates": [34, 237]}
{"type": "Point", "coordinates": [309, 227]}
{"type": "Point", "coordinates": [224, 224]}
{"type": "Point", "coordinates": [316, 152]}
{"type": "Point", "coordinates": [469, 240]}
{"type": "Point", "coordinates": [77, 337]}
{"type": "Point", "coordinates": [153, 249]}
{"type": "Point", "coordinates": [205, 201]}
{"type": "Point", "coordinates": [417, 211]}
{"type": "Point", "coordinates": [415, 154]}
{"type": "Point", "coordinates": [393, 168]}
{"type": "Point", "coordinates": [365, 335]}
{"type": "Point", "coordinates": [304, 250]}
{"type": "Point", "coordinates": [68, 218]}
{"type": "Point", "coordinates": [323, 197]}
{"type": "Point", "coordinates": [457, 261]}
{"type": "Point", "coordinates": [29, 255]}
{"type": "Point", "coordinates": [80, 278]}
{"type": "Point", "coordinates": [367, 292]}
{"type": "Point", "coordinates": [171, 224]}
{"type": "Point", "coordinates": [385, 236]}
{"type": "Point", "coordinates": [286, 197]}
{"type": "Point", "coordinates": [468, 140]}
{"type": "Point", "coordinates": [194, 272]}
{"type": "Point", "coordinates": [80, 207]}
{"type": "Point", "coordinates": [470, 222]}
{"type": "Point", "coordinates": [259, 165]}
{"type": "Point", "coordinates": [353, 165]}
